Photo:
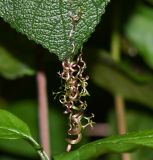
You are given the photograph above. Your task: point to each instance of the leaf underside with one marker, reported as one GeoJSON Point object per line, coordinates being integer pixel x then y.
{"type": "Point", "coordinates": [116, 144]}
{"type": "Point", "coordinates": [49, 23]}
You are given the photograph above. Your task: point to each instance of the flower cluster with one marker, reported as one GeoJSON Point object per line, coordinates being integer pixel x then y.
{"type": "Point", "coordinates": [71, 96]}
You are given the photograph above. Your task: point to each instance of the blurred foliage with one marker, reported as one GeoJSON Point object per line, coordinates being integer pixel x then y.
{"type": "Point", "coordinates": [12, 68]}
{"type": "Point", "coordinates": [139, 31]}
{"type": "Point", "coordinates": [123, 80]}
{"type": "Point", "coordinates": [132, 77]}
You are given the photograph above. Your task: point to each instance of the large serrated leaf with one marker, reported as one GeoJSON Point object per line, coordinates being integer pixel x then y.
{"type": "Point", "coordinates": [49, 23]}
{"type": "Point", "coordinates": [116, 144]}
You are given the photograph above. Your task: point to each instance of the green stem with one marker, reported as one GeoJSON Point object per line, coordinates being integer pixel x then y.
{"type": "Point", "coordinates": [115, 46]}
{"type": "Point", "coordinates": [115, 38]}
{"type": "Point", "coordinates": [42, 154]}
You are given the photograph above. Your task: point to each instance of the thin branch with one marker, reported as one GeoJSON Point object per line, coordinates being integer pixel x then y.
{"type": "Point", "coordinates": [120, 114]}
{"type": "Point", "coordinates": [43, 108]}
{"type": "Point", "coordinates": [43, 112]}
{"type": "Point", "coordinates": [126, 156]}
{"type": "Point", "coordinates": [39, 149]}
{"type": "Point", "coordinates": [121, 122]}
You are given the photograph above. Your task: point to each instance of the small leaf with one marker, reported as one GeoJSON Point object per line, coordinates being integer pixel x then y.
{"type": "Point", "coordinates": [12, 68]}
{"type": "Point", "coordinates": [115, 144]}
{"type": "Point", "coordinates": [49, 22]}
{"type": "Point", "coordinates": [27, 111]}
{"type": "Point", "coordinates": [139, 31]}
{"type": "Point", "coordinates": [12, 127]}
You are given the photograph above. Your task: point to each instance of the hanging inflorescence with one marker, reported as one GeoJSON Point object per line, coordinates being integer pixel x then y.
{"type": "Point", "coordinates": [73, 88]}
{"type": "Point", "coordinates": [71, 96]}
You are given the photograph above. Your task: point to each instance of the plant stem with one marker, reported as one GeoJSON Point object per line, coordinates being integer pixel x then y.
{"type": "Point", "coordinates": [116, 55]}
{"type": "Point", "coordinates": [43, 111]}
{"type": "Point", "coordinates": [120, 114]}
{"type": "Point", "coordinates": [38, 148]}
{"type": "Point", "coordinates": [115, 46]}
{"type": "Point", "coordinates": [121, 123]}
{"type": "Point", "coordinates": [42, 155]}
{"type": "Point", "coordinates": [43, 108]}
{"type": "Point", "coordinates": [119, 100]}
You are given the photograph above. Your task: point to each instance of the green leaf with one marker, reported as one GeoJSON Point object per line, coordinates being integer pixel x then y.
{"type": "Point", "coordinates": [12, 68]}
{"type": "Point", "coordinates": [139, 31]}
{"type": "Point", "coordinates": [12, 127]}
{"type": "Point", "coordinates": [57, 123]}
{"type": "Point", "coordinates": [117, 144]}
{"type": "Point", "coordinates": [27, 111]}
{"type": "Point", "coordinates": [136, 120]}
{"type": "Point", "coordinates": [49, 23]}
